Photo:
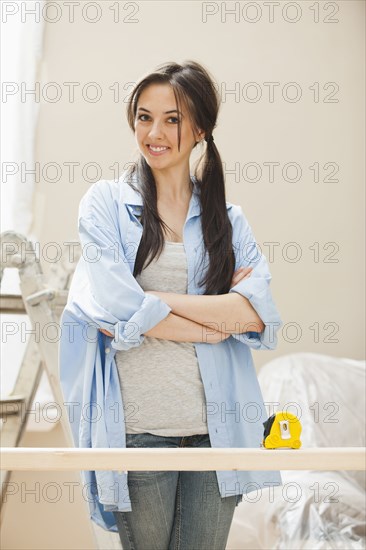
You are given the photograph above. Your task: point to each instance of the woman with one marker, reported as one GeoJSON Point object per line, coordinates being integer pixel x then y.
{"type": "Point", "coordinates": [184, 376]}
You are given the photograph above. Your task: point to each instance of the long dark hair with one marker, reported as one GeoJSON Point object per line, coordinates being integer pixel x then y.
{"type": "Point", "coordinates": [194, 87]}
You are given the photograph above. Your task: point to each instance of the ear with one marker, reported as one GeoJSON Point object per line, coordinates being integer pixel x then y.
{"type": "Point", "coordinates": [199, 135]}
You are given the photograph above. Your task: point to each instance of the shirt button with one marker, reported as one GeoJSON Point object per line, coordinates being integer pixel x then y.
{"type": "Point", "coordinates": [107, 350]}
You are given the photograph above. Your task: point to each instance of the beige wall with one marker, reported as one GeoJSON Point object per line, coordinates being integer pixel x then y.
{"type": "Point", "coordinates": [303, 132]}
{"type": "Point", "coordinates": [306, 132]}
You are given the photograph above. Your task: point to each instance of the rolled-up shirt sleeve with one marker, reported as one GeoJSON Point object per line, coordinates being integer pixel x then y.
{"type": "Point", "coordinates": [255, 288]}
{"type": "Point", "coordinates": [103, 287]}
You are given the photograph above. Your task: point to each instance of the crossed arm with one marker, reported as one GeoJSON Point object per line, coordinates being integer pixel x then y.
{"type": "Point", "coordinates": [202, 318]}
{"type": "Point", "coordinates": [225, 313]}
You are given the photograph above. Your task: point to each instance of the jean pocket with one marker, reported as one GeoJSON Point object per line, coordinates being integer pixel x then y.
{"type": "Point", "coordinates": [134, 440]}
{"type": "Point", "coordinates": [139, 440]}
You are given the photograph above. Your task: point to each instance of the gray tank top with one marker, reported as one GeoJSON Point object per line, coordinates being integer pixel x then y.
{"type": "Point", "coordinates": [160, 380]}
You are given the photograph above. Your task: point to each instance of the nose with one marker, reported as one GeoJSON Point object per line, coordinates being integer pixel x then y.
{"type": "Point", "coordinates": [156, 132]}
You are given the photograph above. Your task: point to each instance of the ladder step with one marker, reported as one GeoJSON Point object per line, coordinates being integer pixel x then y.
{"type": "Point", "coordinates": [11, 405]}
{"type": "Point", "coordinates": [13, 303]}
{"type": "Point", "coordinates": [39, 296]}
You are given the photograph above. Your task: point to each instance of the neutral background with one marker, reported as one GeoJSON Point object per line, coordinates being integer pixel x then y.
{"type": "Point", "coordinates": [305, 132]}
{"type": "Point", "coordinates": [321, 296]}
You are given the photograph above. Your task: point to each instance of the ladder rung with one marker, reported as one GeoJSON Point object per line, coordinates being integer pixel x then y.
{"type": "Point", "coordinates": [40, 296]}
{"type": "Point", "coordinates": [12, 398]}
{"type": "Point", "coordinates": [11, 405]}
{"type": "Point", "coordinates": [11, 303]}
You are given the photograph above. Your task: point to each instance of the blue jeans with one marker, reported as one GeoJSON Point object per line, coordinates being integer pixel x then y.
{"type": "Point", "coordinates": [175, 510]}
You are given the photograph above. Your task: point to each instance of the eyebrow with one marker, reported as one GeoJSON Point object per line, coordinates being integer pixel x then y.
{"type": "Point", "coordinates": [166, 112]}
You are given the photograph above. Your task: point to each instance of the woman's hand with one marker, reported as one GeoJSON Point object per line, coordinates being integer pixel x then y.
{"type": "Point", "coordinates": [241, 274]}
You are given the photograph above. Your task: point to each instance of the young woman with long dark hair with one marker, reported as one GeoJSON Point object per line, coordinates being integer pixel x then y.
{"type": "Point", "coordinates": [194, 288]}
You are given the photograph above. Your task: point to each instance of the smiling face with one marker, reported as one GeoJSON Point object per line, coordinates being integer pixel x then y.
{"type": "Point", "coordinates": [156, 128]}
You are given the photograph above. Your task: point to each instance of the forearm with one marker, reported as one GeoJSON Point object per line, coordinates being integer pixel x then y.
{"type": "Point", "coordinates": [229, 313]}
{"type": "Point", "coordinates": [180, 329]}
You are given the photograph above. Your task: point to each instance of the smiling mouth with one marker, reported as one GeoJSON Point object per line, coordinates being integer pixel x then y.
{"type": "Point", "coordinates": [157, 149]}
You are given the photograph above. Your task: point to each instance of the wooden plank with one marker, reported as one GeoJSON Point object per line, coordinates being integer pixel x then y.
{"type": "Point", "coordinates": [186, 459]}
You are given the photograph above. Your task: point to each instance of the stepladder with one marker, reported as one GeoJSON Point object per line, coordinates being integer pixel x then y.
{"type": "Point", "coordinates": [42, 299]}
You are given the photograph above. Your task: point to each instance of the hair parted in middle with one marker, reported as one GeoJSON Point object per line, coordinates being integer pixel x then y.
{"type": "Point", "coordinates": [195, 88]}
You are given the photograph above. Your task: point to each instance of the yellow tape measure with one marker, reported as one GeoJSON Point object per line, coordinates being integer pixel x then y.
{"type": "Point", "coordinates": [282, 429]}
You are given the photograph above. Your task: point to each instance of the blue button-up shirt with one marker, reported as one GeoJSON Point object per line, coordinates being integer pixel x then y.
{"type": "Point", "coordinates": [105, 295]}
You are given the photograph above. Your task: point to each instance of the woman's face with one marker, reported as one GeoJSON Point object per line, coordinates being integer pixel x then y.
{"type": "Point", "coordinates": [156, 127]}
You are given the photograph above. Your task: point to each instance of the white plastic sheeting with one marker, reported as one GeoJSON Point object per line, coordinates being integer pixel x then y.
{"type": "Point", "coordinates": [311, 510]}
